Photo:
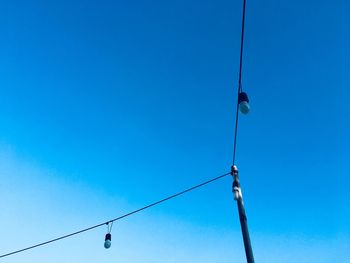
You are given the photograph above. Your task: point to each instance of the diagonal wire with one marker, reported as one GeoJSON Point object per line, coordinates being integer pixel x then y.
{"type": "Point", "coordinates": [117, 218]}
{"type": "Point", "coordinates": [239, 83]}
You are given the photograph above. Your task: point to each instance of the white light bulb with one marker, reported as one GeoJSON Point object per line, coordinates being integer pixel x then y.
{"type": "Point", "coordinates": [244, 107]}
{"type": "Point", "coordinates": [107, 244]}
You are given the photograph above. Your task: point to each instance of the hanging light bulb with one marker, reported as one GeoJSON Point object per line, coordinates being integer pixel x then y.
{"type": "Point", "coordinates": [243, 102]}
{"type": "Point", "coordinates": [108, 241]}
{"type": "Point", "coordinates": [108, 237]}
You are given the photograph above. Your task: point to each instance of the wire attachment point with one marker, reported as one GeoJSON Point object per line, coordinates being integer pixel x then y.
{"type": "Point", "coordinates": [109, 226]}
{"type": "Point", "coordinates": [234, 170]}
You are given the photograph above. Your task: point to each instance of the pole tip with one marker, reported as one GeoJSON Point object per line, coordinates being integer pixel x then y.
{"type": "Point", "coordinates": [234, 170]}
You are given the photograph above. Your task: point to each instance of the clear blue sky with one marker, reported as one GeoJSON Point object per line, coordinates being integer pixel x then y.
{"type": "Point", "coordinates": [108, 105]}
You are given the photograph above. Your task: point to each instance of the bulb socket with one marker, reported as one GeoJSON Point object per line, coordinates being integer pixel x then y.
{"type": "Point", "coordinates": [108, 237]}
{"type": "Point", "coordinates": [243, 97]}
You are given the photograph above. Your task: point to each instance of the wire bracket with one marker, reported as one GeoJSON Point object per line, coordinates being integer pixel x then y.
{"type": "Point", "coordinates": [109, 226]}
{"type": "Point", "coordinates": [236, 187]}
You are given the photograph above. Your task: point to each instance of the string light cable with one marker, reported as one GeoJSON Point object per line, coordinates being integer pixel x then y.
{"type": "Point", "coordinates": [109, 223]}
{"type": "Point", "coordinates": [242, 106]}
{"type": "Point", "coordinates": [242, 97]}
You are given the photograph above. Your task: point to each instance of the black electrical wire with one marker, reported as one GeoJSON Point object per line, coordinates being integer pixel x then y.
{"type": "Point", "coordinates": [117, 218]}
{"type": "Point", "coordinates": [239, 83]}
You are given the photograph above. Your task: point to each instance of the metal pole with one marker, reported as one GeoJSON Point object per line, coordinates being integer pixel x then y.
{"type": "Point", "coordinates": [236, 189]}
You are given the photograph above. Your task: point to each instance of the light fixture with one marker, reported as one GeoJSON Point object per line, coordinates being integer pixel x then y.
{"type": "Point", "coordinates": [243, 102]}
{"type": "Point", "coordinates": [108, 238]}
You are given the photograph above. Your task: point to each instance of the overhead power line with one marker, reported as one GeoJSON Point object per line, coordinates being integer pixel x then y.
{"type": "Point", "coordinates": [117, 218]}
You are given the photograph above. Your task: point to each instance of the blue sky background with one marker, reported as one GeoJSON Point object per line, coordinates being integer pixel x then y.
{"type": "Point", "coordinates": [108, 105]}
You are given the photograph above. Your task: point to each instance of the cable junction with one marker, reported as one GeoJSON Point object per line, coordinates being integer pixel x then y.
{"type": "Point", "coordinates": [109, 222]}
